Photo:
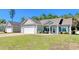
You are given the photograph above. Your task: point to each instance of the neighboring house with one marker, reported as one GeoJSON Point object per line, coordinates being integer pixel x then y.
{"type": "Point", "coordinates": [2, 27]}
{"type": "Point", "coordinates": [50, 26]}
{"type": "Point", "coordinates": [12, 27]}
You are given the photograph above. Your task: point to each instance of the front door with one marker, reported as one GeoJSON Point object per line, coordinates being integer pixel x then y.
{"type": "Point", "coordinates": [46, 29]}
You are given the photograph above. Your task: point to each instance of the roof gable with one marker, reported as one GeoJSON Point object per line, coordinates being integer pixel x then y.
{"type": "Point", "coordinates": [29, 22]}
{"type": "Point", "coordinates": [8, 24]}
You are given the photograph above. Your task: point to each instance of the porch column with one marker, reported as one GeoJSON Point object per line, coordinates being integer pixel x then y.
{"type": "Point", "coordinates": [36, 30]}
{"type": "Point", "coordinates": [49, 30]}
{"type": "Point", "coordinates": [57, 29]}
{"type": "Point", "coordinates": [70, 29]}
{"type": "Point", "coordinates": [52, 30]}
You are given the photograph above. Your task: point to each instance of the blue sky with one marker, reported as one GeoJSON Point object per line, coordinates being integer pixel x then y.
{"type": "Point", "coordinates": [4, 13]}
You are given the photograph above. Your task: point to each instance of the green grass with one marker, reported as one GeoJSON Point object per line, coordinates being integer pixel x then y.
{"type": "Point", "coordinates": [35, 42]}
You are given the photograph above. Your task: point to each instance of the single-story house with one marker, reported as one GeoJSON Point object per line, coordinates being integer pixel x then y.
{"type": "Point", "coordinates": [2, 27]}
{"type": "Point", "coordinates": [50, 26]}
{"type": "Point", "coordinates": [12, 27]}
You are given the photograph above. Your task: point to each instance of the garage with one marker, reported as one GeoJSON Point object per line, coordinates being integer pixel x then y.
{"type": "Point", "coordinates": [9, 29]}
{"type": "Point", "coordinates": [29, 26]}
{"type": "Point", "coordinates": [29, 29]}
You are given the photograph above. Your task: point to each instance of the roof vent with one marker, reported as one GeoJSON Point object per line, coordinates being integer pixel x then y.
{"type": "Point", "coordinates": [61, 21]}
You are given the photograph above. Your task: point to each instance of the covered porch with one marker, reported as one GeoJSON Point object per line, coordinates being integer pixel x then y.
{"type": "Point", "coordinates": [65, 29]}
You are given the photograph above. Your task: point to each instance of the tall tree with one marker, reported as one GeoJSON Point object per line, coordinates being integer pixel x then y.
{"type": "Point", "coordinates": [12, 13]}
{"type": "Point", "coordinates": [22, 19]}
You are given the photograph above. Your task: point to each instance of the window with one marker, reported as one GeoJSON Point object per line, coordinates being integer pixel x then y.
{"type": "Point", "coordinates": [64, 29]}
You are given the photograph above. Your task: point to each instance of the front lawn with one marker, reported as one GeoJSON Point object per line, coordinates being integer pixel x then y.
{"type": "Point", "coordinates": [37, 42]}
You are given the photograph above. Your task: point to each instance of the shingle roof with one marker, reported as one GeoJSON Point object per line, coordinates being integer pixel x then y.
{"type": "Point", "coordinates": [37, 22]}
{"type": "Point", "coordinates": [67, 21]}
{"type": "Point", "coordinates": [55, 21]}
{"type": "Point", "coordinates": [13, 24]}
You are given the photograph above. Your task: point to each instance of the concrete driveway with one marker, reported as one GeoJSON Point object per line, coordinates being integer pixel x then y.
{"type": "Point", "coordinates": [10, 34]}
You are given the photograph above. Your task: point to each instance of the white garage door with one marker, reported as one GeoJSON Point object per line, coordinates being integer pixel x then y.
{"type": "Point", "coordinates": [29, 29]}
{"type": "Point", "coordinates": [9, 29]}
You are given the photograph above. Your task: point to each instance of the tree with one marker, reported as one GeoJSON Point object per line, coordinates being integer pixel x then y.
{"type": "Point", "coordinates": [77, 14]}
{"type": "Point", "coordinates": [75, 21]}
{"type": "Point", "coordinates": [12, 13]}
{"type": "Point", "coordinates": [50, 16]}
{"type": "Point", "coordinates": [68, 15]}
{"type": "Point", "coordinates": [2, 21]}
{"type": "Point", "coordinates": [35, 18]}
{"type": "Point", "coordinates": [43, 16]}
{"type": "Point", "coordinates": [55, 16]}
{"type": "Point", "coordinates": [22, 19]}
